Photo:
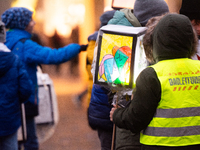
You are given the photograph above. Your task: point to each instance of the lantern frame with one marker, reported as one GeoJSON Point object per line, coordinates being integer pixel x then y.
{"type": "Point", "coordinates": [115, 31]}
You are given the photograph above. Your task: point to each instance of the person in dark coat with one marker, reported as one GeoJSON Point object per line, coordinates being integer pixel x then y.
{"type": "Point", "coordinates": [14, 85]}
{"type": "Point", "coordinates": [166, 99]}
{"type": "Point", "coordinates": [19, 22]}
{"type": "Point", "coordinates": [99, 106]}
{"type": "Point", "coordinates": [137, 17]}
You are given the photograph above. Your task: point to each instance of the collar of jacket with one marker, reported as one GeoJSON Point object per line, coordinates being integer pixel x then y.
{"type": "Point", "coordinates": [131, 17]}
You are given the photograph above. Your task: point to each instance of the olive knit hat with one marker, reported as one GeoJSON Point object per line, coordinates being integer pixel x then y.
{"type": "Point", "coordinates": [17, 17]}
{"type": "Point", "coordinates": [146, 9]}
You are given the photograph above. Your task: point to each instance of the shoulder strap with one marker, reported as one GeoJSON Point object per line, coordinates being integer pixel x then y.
{"type": "Point", "coordinates": [21, 40]}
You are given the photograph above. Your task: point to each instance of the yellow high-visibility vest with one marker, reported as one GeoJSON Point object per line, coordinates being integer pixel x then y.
{"type": "Point", "coordinates": [177, 119]}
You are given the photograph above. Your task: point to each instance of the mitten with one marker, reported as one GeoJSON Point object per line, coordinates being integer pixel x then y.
{"type": "Point", "coordinates": [83, 47]}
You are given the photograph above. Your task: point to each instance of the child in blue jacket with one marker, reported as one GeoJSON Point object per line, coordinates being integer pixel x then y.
{"type": "Point", "coordinates": [20, 24]}
{"type": "Point", "coordinates": [14, 90]}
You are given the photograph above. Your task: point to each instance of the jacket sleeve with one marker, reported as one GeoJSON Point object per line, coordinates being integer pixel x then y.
{"type": "Point", "coordinates": [44, 55]}
{"type": "Point", "coordinates": [24, 83]}
{"type": "Point", "coordinates": [143, 105]}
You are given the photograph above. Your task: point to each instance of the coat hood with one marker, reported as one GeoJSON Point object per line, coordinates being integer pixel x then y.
{"type": "Point", "coordinates": [15, 35]}
{"type": "Point", "coordinates": [7, 59]}
{"type": "Point", "coordinates": [125, 17]}
{"type": "Point", "coordinates": [131, 17]}
{"type": "Point", "coordinates": [173, 37]}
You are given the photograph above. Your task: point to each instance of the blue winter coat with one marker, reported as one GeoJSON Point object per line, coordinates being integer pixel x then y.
{"type": "Point", "coordinates": [14, 89]}
{"type": "Point", "coordinates": [99, 109]}
{"type": "Point", "coordinates": [33, 54]}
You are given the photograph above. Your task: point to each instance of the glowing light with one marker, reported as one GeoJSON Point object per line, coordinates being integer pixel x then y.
{"type": "Point", "coordinates": [64, 17]}
{"type": "Point", "coordinates": [123, 4]}
{"type": "Point", "coordinates": [115, 59]}
{"type": "Point", "coordinates": [76, 14]}
{"type": "Point", "coordinates": [76, 10]}
{"type": "Point", "coordinates": [64, 30]}
{"type": "Point", "coordinates": [107, 3]}
{"type": "Point", "coordinates": [124, 78]}
{"type": "Point", "coordinates": [30, 4]}
{"type": "Point", "coordinates": [107, 8]}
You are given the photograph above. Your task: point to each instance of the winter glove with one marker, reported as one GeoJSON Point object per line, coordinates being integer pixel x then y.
{"type": "Point", "coordinates": [83, 47]}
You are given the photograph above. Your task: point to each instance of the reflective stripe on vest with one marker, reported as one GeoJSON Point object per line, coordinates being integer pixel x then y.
{"type": "Point", "coordinates": [177, 119]}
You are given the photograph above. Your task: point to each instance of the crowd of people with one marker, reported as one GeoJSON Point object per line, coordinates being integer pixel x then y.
{"type": "Point", "coordinates": [163, 108]}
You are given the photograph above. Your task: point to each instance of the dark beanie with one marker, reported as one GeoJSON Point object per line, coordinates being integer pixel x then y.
{"type": "Point", "coordinates": [16, 17]}
{"type": "Point", "coordinates": [106, 16]}
{"type": "Point", "coordinates": [146, 9]}
{"type": "Point", "coordinates": [191, 9]}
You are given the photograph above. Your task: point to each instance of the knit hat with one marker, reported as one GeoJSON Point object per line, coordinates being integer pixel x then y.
{"type": "Point", "coordinates": [146, 9]}
{"type": "Point", "coordinates": [17, 17]}
{"type": "Point", "coordinates": [191, 9]}
{"type": "Point", "coordinates": [106, 16]}
{"type": "Point", "coordinates": [2, 32]}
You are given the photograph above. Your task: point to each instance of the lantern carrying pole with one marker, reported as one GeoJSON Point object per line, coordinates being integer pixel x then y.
{"type": "Point", "coordinates": [113, 137]}
{"type": "Point", "coordinates": [114, 126]}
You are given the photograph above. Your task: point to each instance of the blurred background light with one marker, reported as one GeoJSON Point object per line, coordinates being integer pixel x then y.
{"type": "Point", "coordinates": [30, 4]}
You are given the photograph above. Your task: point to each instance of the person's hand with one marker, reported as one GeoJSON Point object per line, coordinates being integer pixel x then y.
{"type": "Point", "coordinates": [111, 112]}
{"type": "Point", "coordinates": [83, 48]}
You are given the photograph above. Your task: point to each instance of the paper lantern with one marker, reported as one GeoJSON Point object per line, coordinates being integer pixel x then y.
{"type": "Point", "coordinates": [120, 55]}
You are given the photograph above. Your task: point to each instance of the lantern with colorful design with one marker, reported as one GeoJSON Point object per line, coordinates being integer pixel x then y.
{"type": "Point", "coordinates": [120, 55]}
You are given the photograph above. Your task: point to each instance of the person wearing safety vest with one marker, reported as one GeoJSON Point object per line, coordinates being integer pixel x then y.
{"type": "Point", "coordinates": [165, 107]}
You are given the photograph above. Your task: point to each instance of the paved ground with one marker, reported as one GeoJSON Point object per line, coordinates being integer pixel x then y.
{"type": "Point", "coordinates": [72, 131]}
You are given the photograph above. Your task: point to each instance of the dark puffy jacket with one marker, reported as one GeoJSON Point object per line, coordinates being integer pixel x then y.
{"type": "Point", "coordinates": [33, 54]}
{"type": "Point", "coordinates": [99, 109]}
{"type": "Point", "coordinates": [14, 89]}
